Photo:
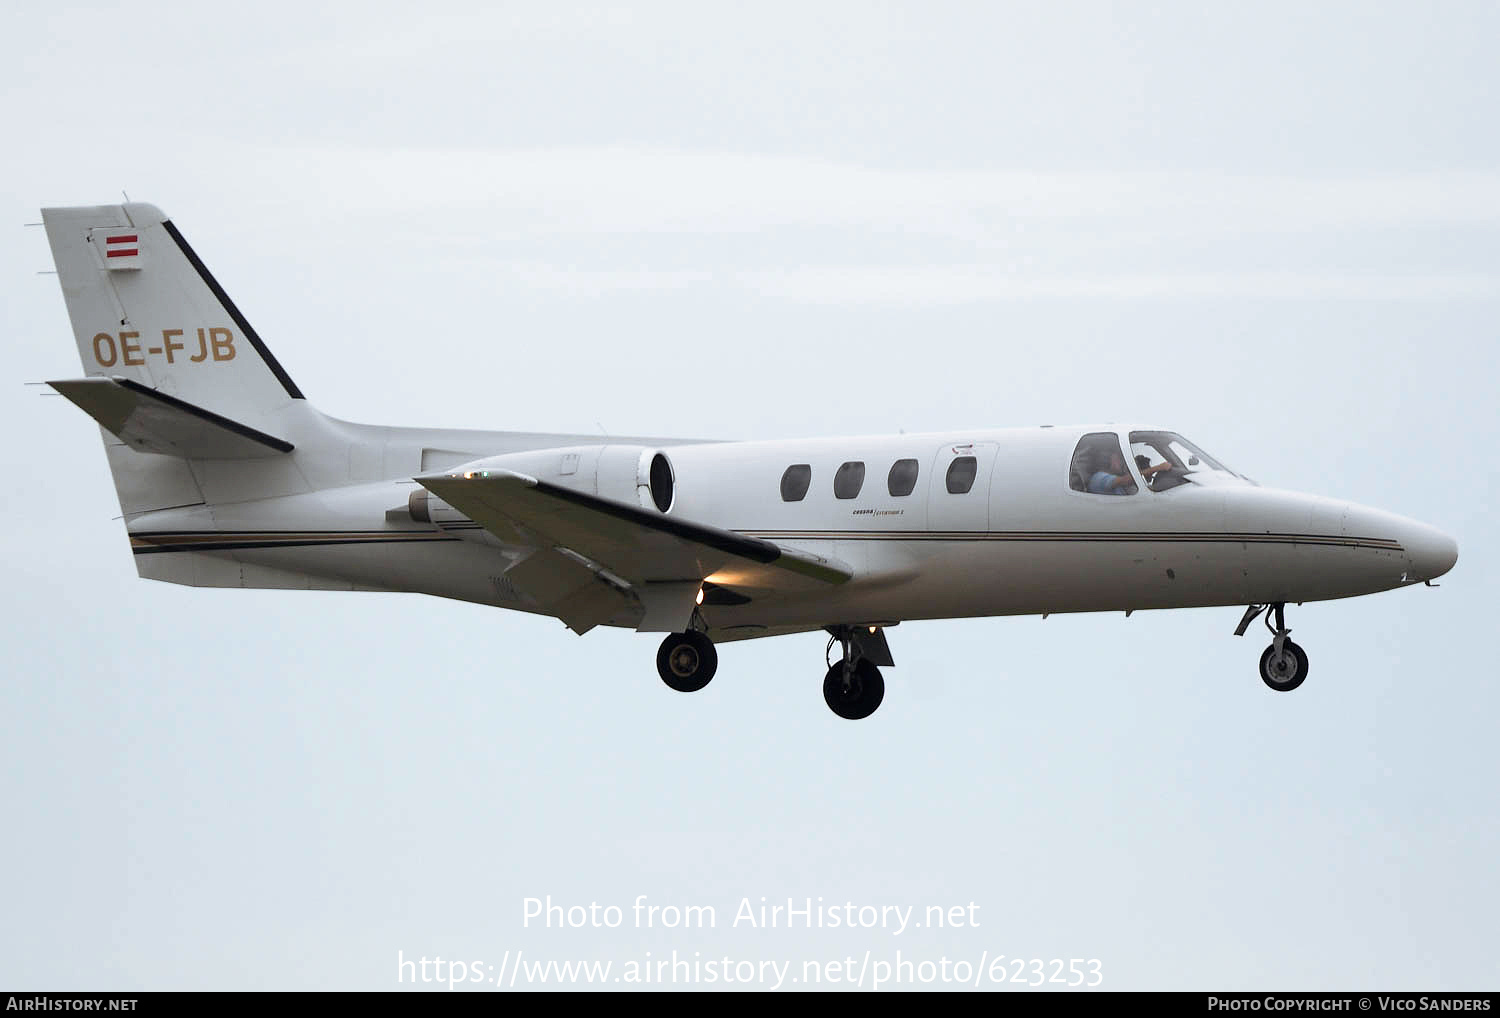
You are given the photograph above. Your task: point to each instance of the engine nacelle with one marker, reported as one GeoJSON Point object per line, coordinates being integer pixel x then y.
{"type": "Point", "coordinates": [630, 473]}
{"type": "Point", "coordinates": [633, 474]}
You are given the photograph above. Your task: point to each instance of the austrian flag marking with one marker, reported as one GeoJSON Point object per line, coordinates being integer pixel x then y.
{"type": "Point", "coordinates": [119, 246]}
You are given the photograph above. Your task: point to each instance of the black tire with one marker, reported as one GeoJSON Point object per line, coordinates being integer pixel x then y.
{"type": "Point", "coordinates": [865, 691]}
{"type": "Point", "coordinates": [1286, 673]}
{"type": "Point", "coordinates": [687, 661]}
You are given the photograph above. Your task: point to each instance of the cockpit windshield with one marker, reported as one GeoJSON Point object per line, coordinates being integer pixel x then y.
{"type": "Point", "coordinates": [1167, 460]}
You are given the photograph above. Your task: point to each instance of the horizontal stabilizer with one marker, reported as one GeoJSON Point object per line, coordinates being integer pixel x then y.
{"type": "Point", "coordinates": [151, 421]}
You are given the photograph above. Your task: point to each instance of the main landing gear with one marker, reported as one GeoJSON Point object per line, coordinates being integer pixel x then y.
{"type": "Point", "coordinates": [853, 687]}
{"type": "Point", "coordinates": [687, 661]}
{"type": "Point", "coordinates": [1283, 667]}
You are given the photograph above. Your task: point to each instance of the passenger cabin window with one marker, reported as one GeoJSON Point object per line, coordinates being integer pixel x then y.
{"type": "Point", "coordinates": [795, 481]}
{"type": "Point", "coordinates": [961, 473]}
{"type": "Point", "coordinates": [1167, 460]}
{"type": "Point", "coordinates": [903, 478]}
{"type": "Point", "coordinates": [849, 479]}
{"type": "Point", "coordinates": [1098, 466]}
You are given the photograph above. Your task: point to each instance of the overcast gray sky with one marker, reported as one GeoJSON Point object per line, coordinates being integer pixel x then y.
{"type": "Point", "coordinates": [1272, 227]}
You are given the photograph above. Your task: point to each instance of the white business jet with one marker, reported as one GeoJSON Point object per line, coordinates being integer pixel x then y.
{"type": "Point", "coordinates": [228, 477]}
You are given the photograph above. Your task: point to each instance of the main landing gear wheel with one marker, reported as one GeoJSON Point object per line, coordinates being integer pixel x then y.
{"type": "Point", "coordinates": [1283, 670]}
{"type": "Point", "coordinates": [859, 695]}
{"type": "Point", "coordinates": [687, 661]}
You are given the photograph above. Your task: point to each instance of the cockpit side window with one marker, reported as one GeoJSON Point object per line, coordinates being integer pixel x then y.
{"type": "Point", "coordinates": [1168, 460]}
{"type": "Point", "coordinates": [1098, 466]}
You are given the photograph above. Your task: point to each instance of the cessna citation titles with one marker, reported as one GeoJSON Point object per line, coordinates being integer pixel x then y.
{"type": "Point", "coordinates": [228, 477]}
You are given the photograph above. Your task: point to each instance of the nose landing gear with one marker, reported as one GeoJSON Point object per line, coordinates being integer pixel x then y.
{"type": "Point", "coordinates": [1283, 670]}
{"type": "Point", "coordinates": [1283, 667]}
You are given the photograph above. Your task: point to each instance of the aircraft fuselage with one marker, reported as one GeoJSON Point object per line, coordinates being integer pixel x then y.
{"type": "Point", "coordinates": [1018, 541]}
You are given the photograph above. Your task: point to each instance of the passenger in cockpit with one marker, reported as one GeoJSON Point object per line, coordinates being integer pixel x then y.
{"type": "Point", "coordinates": [1110, 476]}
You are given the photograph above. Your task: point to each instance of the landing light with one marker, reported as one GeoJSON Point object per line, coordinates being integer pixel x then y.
{"type": "Point", "coordinates": [700, 595]}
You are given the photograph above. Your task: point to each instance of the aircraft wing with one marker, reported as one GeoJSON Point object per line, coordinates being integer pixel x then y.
{"type": "Point", "coordinates": [663, 560]}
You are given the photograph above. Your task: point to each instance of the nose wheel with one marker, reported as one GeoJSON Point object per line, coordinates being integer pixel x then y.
{"type": "Point", "coordinates": [1283, 667]}
{"type": "Point", "coordinates": [687, 661]}
{"type": "Point", "coordinates": [1283, 670]}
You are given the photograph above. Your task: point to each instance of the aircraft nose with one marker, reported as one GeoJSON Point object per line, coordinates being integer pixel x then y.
{"type": "Point", "coordinates": [1432, 552]}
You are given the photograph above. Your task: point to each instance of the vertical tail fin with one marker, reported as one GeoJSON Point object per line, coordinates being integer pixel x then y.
{"type": "Point", "coordinates": [144, 307]}
{"type": "Point", "coordinates": [174, 371]}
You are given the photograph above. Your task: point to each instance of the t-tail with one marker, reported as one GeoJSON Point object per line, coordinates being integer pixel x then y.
{"type": "Point", "coordinates": [194, 408]}
{"type": "Point", "coordinates": [145, 309]}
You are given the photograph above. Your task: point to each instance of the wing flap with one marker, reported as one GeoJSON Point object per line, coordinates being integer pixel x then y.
{"type": "Point", "coordinates": [567, 588]}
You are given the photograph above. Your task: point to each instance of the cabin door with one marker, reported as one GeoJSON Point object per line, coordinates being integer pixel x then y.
{"type": "Point", "coordinates": [959, 489]}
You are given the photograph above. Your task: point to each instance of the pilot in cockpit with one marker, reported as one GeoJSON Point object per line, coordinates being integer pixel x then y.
{"type": "Point", "coordinates": [1111, 477]}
